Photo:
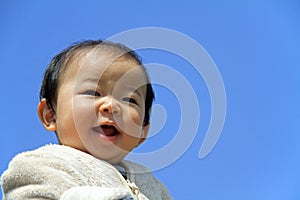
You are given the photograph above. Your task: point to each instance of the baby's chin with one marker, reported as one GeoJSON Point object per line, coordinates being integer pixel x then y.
{"type": "Point", "coordinates": [110, 153]}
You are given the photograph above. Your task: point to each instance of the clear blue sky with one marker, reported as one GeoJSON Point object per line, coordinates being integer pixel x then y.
{"type": "Point", "coordinates": [256, 46]}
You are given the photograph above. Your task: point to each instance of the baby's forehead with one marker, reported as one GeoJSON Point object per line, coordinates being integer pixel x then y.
{"type": "Point", "coordinates": [103, 56]}
{"type": "Point", "coordinates": [107, 53]}
{"type": "Point", "coordinates": [99, 58]}
{"type": "Point", "coordinates": [105, 67]}
{"type": "Point", "coordinates": [107, 63]}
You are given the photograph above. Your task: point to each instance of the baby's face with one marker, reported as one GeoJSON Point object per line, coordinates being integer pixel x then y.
{"type": "Point", "coordinates": [100, 109]}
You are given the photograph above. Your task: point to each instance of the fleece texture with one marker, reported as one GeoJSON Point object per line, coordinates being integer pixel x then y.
{"type": "Point", "coordinates": [60, 172]}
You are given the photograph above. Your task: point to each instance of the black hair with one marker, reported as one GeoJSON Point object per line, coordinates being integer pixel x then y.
{"type": "Point", "coordinates": [59, 62]}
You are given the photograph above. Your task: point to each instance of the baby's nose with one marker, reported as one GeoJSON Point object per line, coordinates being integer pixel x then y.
{"type": "Point", "coordinates": [109, 107]}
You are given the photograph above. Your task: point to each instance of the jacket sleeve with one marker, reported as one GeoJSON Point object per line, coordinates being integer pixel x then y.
{"type": "Point", "coordinates": [38, 176]}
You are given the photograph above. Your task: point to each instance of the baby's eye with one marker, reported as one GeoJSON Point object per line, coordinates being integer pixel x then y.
{"type": "Point", "coordinates": [130, 100]}
{"type": "Point", "coordinates": [92, 93]}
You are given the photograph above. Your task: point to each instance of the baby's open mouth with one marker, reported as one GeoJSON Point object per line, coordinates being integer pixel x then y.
{"type": "Point", "coordinates": [107, 130]}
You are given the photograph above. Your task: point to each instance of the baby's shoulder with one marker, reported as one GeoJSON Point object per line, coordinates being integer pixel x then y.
{"type": "Point", "coordinates": [31, 161]}
{"type": "Point", "coordinates": [53, 156]}
{"type": "Point", "coordinates": [48, 152]}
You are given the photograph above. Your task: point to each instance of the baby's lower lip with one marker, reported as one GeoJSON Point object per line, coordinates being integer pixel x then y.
{"type": "Point", "coordinates": [107, 132]}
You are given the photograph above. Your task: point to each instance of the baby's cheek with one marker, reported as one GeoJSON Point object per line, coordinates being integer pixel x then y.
{"type": "Point", "coordinates": [83, 112]}
{"type": "Point", "coordinates": [131, 123]}
{"type": "Point", "coordinates": [135, 117]}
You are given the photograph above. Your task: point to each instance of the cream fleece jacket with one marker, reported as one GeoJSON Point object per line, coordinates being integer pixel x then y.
{"type": "Point", "coordinates": [60, 172]}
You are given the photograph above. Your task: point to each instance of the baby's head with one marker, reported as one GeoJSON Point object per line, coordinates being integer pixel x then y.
{"type": "Point", "coordinates": [97, 97]}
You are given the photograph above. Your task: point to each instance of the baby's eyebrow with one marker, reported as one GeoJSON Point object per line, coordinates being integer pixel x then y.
{"type": "Point", "coordinates": [136, 91]}
{"type": "Point", "coordinates": [92, 79]}
{"type": "Point", "coordinates": [88, 81]}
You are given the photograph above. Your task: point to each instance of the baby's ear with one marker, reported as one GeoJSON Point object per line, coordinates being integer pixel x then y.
{"type": "Point", "coordinates": [47, 115]}
{"type": "Point", "coordinates": [145, 132]}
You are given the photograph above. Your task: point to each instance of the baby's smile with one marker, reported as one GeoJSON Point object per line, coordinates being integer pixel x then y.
{"type": "Point", "coordinates": [109, 132]}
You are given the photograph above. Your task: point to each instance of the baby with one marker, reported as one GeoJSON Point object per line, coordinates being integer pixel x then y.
{"type": "Point", "coordinates": [96, 96]}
